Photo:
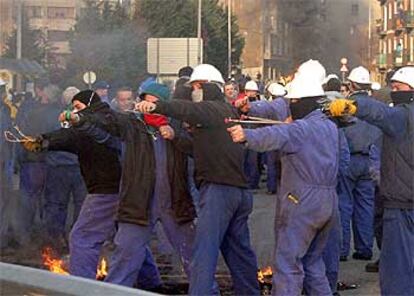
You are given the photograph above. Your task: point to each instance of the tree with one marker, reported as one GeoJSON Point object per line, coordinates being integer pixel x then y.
{"type": "Point", "coordinates": [34, 44]}
{"type": "Point", "coordinates": [107, 41]}
{"type": "Point", "coordinates": [179, 19]}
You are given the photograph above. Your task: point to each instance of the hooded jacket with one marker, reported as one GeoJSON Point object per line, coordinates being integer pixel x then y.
{"type": "Point", "coordinates": [138, 167]}
{"type": "Point", "coordinates": [217, 158]}
{"type": "Point", "coordinates": [100, 166]}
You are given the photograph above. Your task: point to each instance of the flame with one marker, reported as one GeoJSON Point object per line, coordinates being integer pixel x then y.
{"type": "Point", "coordinates": [102, 270]}
{"type": "Point", "coordinates": [264, 274]}
{"type": "Point", "coordinates": [55, 265]}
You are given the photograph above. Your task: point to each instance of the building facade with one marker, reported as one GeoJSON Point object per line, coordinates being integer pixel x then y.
{"type": "Point", "coordinates": [396, 35]}
{"type": "Point", "coordinates": [55, 18]}
{"type": "Point", "coordinates": [266, 34]}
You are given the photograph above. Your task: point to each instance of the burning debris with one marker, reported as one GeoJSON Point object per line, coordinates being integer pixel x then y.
{"type": "Point", "coordinates": [264, 276]}
{"type": "Point", "coordinates": [56, 265]}
{"type": "Point", "coordinates": [102, 270]}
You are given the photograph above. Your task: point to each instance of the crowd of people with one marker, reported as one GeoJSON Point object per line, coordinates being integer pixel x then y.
{"type": "Point", "coordinates": [338, 155]}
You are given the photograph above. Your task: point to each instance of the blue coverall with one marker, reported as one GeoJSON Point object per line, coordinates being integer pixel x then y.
{"type": "Point", "coordinates": [131, 239]}
{"type": "Point", "coordinates": [331, 253]}
{"type": "Point", "coordinates": [357, 189]}
{"type": "Point", "coordinates": [278, 109]}
{"type": "Point", "coordinates": [307, 203]}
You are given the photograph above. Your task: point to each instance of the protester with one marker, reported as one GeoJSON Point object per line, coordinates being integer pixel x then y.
{"type": "Point", "coordinates": [307, 205]}
{"type": "Point", "coordinates": [396, 186]}
{"type": "Point", "coordinates": [225, 202]}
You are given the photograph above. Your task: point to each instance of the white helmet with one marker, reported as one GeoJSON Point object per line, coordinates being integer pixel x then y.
{"type": "Point", "coordinates": [375, 86]}
{"type": "Point", "coordinates": [312, 68]}
{"type": "Point", "coordinates": [304, 87]}
{"type": "Point", "coordinates": [206, 72]}
{"type": "Point", "coordinates": [69, 93]}
{"type": "Point", "coordinates": [359, 75]}
{"type": "Point", "coordinates": [251, 85]}
{"type": "Point", "coordinates": [277, 90]}
{"type": "Point", "coordinates": [329, 77]}
{"type": "Point", "coordinates": [404, 75]}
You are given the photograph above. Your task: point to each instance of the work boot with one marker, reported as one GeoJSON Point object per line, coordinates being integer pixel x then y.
{"type": "Point", "coordinates": [359, 256]}
{"type": "Point", "coordinates": [343, 258]}
{"type": "Point", "coordinates": [372, 266]}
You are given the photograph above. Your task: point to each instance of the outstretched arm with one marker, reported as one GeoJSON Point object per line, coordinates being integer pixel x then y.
{"type": "Point", "coordinates": [391, 120]}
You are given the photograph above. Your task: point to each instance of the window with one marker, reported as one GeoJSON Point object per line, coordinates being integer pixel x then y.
{"type": "Point", "coordinates": [58, 36]}
{"type": "Point", "coordinates": [60, 12]}
{"type": "Point", "coordinates": [389, 45]}
{"type": "Point", "coordinates": [355, 9]}
{"type": "Point", "coordinates": [274, 43]}
{"type": "Point", "coordinates": [411, 48]}
{"type": "Point", "coordinates": [385, 17]}
{"type": "Point", "coordinates": [34, 11]}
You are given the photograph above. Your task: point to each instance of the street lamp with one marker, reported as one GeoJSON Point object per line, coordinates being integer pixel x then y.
{"type": "Point", "coordinates": [344, 68]}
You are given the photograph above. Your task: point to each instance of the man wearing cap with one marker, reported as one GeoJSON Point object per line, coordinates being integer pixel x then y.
{"type": "Point", "coordinates": [102, 89]}
{"type": "Point", "coordinates": [153, 185]}
{"type": "Point", "coordinates": [101, 171]}
{"type": "Point", "coordinates": [306, 202]}
{"type": "Point", "coordinates": [357, 187]}
{"type": "Point", "coordinates": [397, 177]}
{"type": "Point", "coordinates": [225, 201]}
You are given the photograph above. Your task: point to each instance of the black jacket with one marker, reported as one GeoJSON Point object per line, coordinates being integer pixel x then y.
{"type": "Point", "coordinates": [217, 158]}
{"type": "Point", "coordinates": [100, 166]}
{"type": "Point", "coordinates": [138, 169]}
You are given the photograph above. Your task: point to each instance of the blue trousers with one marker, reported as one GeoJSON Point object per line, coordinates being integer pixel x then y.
{"type": "Point", "coordinates": [331, 254]}
{"type": "Point", "coordinates": [301, 231]}
{"type": "Point", "coordinates": [62, 182]}
{"type": "Point", "coordinates": [272, 174]}
{"type": "Point", "coordinates": [32, 184]}
{"type": "Point", "coordinates": [195, 194]}
{"type": "Point", "coordinates": [96, 224]}
{"type": "Point", "coordinates": [356, 204]}
{"type": "Point", "coordinates": [131, 241]}
{"type": "Point", "coordinates": [222, 226]}
{"type": "Point", "coordinates": [397, 253]}
{"type": "Point", "coordinates": [251, 168]}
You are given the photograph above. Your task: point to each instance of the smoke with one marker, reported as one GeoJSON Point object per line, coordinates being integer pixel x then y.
{"type": "Point", "coordinates": [118, 56]}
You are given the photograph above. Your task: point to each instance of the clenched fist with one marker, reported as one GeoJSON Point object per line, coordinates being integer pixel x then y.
{"type": "Point", "coordinates": [237, 133]}
{"type": "Point", "coordinates": [145, 107]}
{"type": "Point", "coordinates": [167, 132]}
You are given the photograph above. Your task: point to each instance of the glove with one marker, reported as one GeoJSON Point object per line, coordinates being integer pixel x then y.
{"type": "Point", "coordinates": [34, 145]}
{"type": "Point", "coordinates": [342, 107]}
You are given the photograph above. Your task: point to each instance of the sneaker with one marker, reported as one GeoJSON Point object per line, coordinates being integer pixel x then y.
{"type": "Point", "coordinates": [359, 256]}
{"type": "Point", "coordinates": [343, 258]}
{"type": "Point", "coordinates": [372, 266]}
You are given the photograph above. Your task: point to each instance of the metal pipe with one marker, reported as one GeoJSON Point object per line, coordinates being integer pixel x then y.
{"type": "Point", "coordinates": [229, 3]}
{"type": "Point", "coordinates": [199, 32]}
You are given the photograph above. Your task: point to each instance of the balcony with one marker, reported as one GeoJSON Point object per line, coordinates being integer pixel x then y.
{"type": "Point", "coordinates": [409, 19]}
{"type": "Point", "coordinates": [401, 58]}
{"type": "Point", "coordinates": [382, 61]}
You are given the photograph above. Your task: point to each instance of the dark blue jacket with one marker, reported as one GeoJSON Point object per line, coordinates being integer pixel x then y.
{"type": "Point", "coordinates": [397, 161]}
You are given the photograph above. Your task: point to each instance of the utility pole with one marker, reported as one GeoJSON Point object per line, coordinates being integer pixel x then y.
{"type": "Point", "coordinates": [19, 42]}
{"type": "Point", "coordinates": [229, 2]}
{"type": "Point", "coordinates": [199, 32]}
{"type": "Point", "coordinates": [369, 32]}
